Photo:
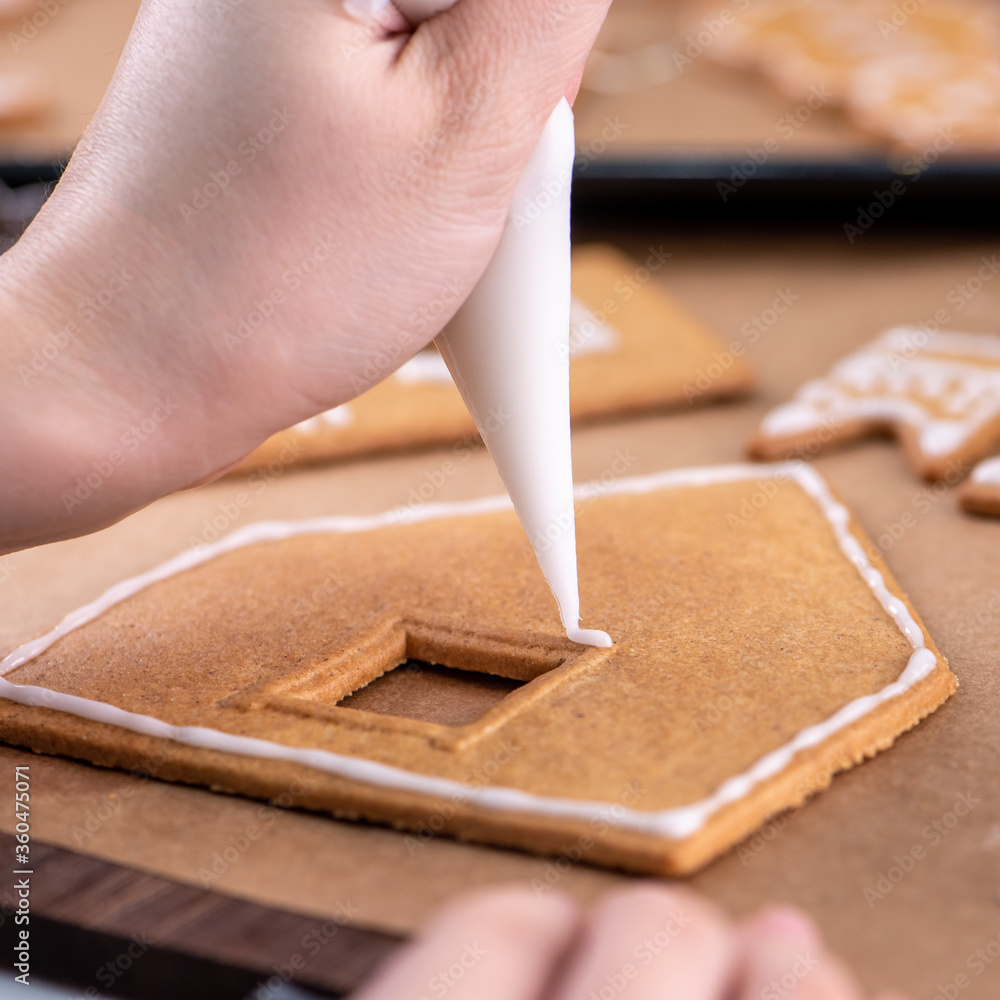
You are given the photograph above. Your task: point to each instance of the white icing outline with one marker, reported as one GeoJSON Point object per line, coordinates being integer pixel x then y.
{"type": "Point", "coordinates": [902, 353]}
{"type": "Point", "coordinates": [987, 472]}
{"type": "Point", "coordinates": [426, 367]}
{"type": "Point", "coordinates": [599, 339]}
{"type": "Point", "coordinates": [339, 416]}
{"type": "Point", "coordinates": [674, 824]}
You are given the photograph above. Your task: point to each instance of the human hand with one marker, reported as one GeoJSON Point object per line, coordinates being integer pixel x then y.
{"type": "Point", "coordinates": [275, 206]}
{"type": "Point", "coordinates": [648, 942]}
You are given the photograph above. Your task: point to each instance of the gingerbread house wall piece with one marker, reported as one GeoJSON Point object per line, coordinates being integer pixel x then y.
{"type": "Point", "coordinates": [759, 648]}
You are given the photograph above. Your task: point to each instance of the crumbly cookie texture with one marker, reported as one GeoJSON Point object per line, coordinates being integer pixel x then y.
{"type": "Point", "coordinates": [980, 493]}
{"type": "Point", "coordinates": [632, 348]}
{"type": "Point", "coordinates": [938, 393]}
{"type": "Point", "coordinates": [760, 647]}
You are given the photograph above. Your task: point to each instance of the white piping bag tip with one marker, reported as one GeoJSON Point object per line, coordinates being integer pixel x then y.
{"type": "Point", "coordinates": [590, 637]}
{"type": "Point", "coordinates": [507, 348]}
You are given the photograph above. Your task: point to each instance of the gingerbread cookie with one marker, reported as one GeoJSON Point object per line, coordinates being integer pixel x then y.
{"type": "Point", "coordinates": [939, 393]}
{"type": "Point", "coordinates": [631, 348]}
{"type": "Point", "coordinates": [760, 647]}
{"type": "Point", "coordinates": [980, 493]}
{"type": "Point", "coordinates": [23, 95]}
{"type": "Point", "coordinates": [927, 75]}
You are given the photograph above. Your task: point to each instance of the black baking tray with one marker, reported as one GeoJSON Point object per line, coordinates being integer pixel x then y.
{"type": "Point", "coordinates": [950, 192]}
{"type": "Point", "coordinates": [691, 187]}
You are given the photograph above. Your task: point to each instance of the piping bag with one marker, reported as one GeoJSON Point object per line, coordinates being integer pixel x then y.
{"type": "Point", "coordinates": [507, 349]}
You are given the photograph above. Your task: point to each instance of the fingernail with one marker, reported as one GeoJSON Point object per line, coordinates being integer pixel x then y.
{"type": "Point", "coordinates": [363, 9]}
{"type": "Point", "coordinates": [787, 922]}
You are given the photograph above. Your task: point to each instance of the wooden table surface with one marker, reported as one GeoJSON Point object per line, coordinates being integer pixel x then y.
{"type": "Point", "coordinates": [99, 925]}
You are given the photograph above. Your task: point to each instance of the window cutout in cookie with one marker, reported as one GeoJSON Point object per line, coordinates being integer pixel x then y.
{"type": "Point", "coordinates": [468, 680]}
{"type": "Point", "coordinates": [432, 692]}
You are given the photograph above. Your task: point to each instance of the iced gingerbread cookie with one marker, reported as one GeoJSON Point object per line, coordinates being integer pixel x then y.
{"type": "Point", "coordinates": [927, 75]}
{"type": "Point", "coordinates": [631, 348]}
{"type": "Point", "coordinates": [980, 493]}
{"type": "Point", "coordinates": [939, 393]}
{"type": "Point", "coordinates": [376, 664]}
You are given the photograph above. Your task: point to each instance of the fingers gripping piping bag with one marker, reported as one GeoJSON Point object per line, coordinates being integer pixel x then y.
{"type": "Point", "coordinates": [508, 350]}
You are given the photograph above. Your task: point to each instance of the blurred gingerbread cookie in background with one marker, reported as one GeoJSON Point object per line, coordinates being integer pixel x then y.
{"type": "Point", "coordinates": [939, 393]}
{"type": "Point", "coordinates": [14, 10]}
{"type": "Point", "coordinates": [922, 75]}
{"type": "Point", "coordinates": [56, 61]}
{"type": "Point", "coordinates": [632, 348]}
{"type": "Point", "coordinates": [980, 494]}
{"type": "Point", "coordinates": [23, 91]}
{"type": "Point", "coordinates": [23, 95]}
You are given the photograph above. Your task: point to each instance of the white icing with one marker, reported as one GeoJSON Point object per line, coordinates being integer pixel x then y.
{"type": "Point", "coordinates": [987, 472]}
{"type": "Point", "coordinates": [587, 334]}
{"type": "Point", "coordinates": [673, 823]}
{"type": "Point", "coordinates": [339, 416]}
{"type": "Point", "coordinates": [930, 382]}
{"type": "Point", "coordinates": [426, 366]}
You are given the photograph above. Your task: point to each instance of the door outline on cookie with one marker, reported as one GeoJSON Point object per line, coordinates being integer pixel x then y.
{"type": "Point", "coordinates": [313, 686]}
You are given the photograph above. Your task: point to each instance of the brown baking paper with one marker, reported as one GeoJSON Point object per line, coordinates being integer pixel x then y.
{"type": "Point", "coordinates": [838, 856]}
